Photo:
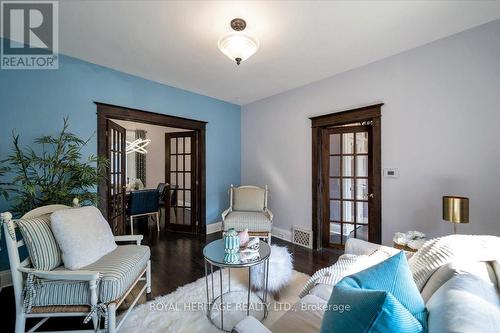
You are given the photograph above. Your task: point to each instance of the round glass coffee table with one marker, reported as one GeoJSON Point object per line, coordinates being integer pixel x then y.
{"type": "Point", "coordinates": [231, 306]}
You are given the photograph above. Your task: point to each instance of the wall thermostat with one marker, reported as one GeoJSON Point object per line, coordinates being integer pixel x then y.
{"type": "Point", "coordinates": [391, 173]}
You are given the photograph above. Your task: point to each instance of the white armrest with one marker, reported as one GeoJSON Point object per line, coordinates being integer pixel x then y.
{"type": "Point", "coordinates": [62, 275]}
{"type": "Point", "coordinates": [269, 214]}
{"type": "Point", "coordinates": [224, 213]}
{"type": "Point", "coordinates": [129, 238]}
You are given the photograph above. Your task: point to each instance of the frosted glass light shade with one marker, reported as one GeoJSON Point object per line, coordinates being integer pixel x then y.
{"type": "Point", "coordinates": [238, 47]}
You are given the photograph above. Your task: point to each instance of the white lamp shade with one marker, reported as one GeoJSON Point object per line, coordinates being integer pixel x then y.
{"type": "Point", "coordinates": [238, 46]}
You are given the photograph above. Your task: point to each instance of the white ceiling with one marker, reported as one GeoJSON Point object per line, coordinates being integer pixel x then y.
{"type": "Point", "coordinates": [175, 42]}
{"type": "Point", "coordinates": [133, 125]}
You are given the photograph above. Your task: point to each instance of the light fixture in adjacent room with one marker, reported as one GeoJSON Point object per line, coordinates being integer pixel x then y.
{"type": "Point", "coordinates": [455, 210]}
{"type": "Point", "coordinates": [137, 146]}
{"type": "Point", "coordinates": [238, 46]}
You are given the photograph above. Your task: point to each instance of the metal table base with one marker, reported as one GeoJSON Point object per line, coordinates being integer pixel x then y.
{"type": "Point", "coordinates": [212, 300]}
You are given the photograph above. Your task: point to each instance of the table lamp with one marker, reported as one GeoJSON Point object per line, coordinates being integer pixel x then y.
{"type": "Point", "coordinates": [455, 210]}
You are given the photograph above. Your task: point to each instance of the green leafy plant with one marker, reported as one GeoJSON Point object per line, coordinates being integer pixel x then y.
{"type": "Point", "coordinates": [52, 172]}
{"type": "Point", "coordinates": [3, 185]}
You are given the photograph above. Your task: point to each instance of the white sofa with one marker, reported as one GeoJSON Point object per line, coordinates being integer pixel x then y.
{"type": "Point", "coordinates": [460, 297]}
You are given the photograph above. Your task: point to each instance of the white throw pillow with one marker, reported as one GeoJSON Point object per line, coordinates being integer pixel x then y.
{"type": "Point", "coordinates": [83, 235]}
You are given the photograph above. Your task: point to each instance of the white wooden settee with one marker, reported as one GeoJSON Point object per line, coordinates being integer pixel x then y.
{"type": "Point", "coordinates": [95, 308]}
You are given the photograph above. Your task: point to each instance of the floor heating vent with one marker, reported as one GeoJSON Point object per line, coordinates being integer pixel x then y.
{"type": "Point", "coordinates": [302, 237]}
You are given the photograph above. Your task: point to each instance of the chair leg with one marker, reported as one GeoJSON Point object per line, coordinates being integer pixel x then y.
{"type": "Point", "coordinates": [131, 225]}
{"type": "Point", "coordinates": [148, 278]}
{"type": "Point", "coordinates": [111, 318]}
{"type": "Point", "coordinates": [269, 239]}
{"type": "Point", "coordinates": [159, 213]}
{"type": "Point", "coordinates": [93, 302]}
{"type": "Point", "coordinates": [95, 321]}
{"type": "Point", "coordinates": [157, 222]}
{"type": "Point", "coordinates": [20, 322]}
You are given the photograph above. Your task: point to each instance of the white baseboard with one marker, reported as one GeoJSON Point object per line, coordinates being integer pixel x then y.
{"type": "Point", "coordinates": [214, 227]}
{"type": "Point", "coordinates": [281, 234]}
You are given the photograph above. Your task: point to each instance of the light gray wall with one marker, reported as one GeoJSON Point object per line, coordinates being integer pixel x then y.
{"type": "Point", "coordinates": [440, 127]}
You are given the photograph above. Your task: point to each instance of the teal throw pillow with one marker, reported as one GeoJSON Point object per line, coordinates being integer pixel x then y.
{"type": "Point", "coordinates": [382, 298]}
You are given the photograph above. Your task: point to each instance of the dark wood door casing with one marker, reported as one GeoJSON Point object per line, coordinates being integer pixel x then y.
{"type": "Point", "coordinates": [109, 111]}
{"type": "Point", "coordinates": [320, 125]}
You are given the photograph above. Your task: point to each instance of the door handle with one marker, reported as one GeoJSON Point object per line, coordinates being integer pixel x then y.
{"type": "Point", "coordinates": [371, 195]}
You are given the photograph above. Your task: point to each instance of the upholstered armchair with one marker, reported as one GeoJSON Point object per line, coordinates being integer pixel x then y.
{"type": "Point", "coordinates": [248, 210]}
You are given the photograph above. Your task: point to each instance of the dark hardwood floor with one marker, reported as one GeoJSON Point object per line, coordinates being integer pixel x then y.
{"type": "Point", "coordinates": [176, 260]}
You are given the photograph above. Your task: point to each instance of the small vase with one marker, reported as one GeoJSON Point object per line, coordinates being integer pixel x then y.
{"type": "Point", "coordinates": [244, 237]}
{"type": "Point", "coordinates": [231, 241]}
{"type": "Point", "coordinates": [232, 258]}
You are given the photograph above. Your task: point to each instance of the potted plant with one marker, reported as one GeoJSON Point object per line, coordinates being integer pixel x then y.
{"type": "Point", "coordinates": [52, 171]}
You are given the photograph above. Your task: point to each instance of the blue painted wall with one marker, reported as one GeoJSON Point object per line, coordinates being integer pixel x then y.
{"type": "Point", "coordinates": [34, 102]}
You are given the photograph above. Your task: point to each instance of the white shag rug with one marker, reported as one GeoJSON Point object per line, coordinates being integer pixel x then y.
{"type": "Point", "coordinates": [280, 270]}
{"type": "Point", "coordinates": [184, 309]}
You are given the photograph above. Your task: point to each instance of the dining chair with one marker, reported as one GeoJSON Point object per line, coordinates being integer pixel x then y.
{"type": "Point", "coordinates": [161, 188]}
{"type": "Point", "coordinates": [162, 192]}
{"type": "Point", "coordinates": [173, 199]}
{"type": "Point", "coordinates": [143, 203]}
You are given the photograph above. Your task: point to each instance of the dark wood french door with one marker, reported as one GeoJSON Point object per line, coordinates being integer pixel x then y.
{"type": "Point", "coordinates": [116, 154]}
{"type": "Point", "coordinates": [348, 190]}
{"type": "Point", "coordinates": [181, 177]}
{"type": "Point", "coordinates": [346, 177]}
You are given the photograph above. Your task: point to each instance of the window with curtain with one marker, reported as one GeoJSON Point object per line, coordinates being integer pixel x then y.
{"type": "Point", "coordinates": [140, 159]}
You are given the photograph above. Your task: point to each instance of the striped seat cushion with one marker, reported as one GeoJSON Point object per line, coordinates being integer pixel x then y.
{"type": "Point", "coordinates": [42, 247]}
{"type": "Point", "coordinates": [253, 221]}
{"type": "Point", "coordinates": [119, 269]}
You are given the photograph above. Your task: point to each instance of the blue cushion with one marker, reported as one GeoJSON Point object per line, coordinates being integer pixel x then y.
{"type": "Point", "coordinates": [382, 298]}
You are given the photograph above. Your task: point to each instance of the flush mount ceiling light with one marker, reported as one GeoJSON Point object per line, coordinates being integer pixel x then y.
{"type": "Point", "coordinates": [238, 46]}
{"type": "Point", "coordinates": [137, 146]}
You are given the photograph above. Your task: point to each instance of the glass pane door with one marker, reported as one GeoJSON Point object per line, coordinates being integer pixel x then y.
{"type": "Point", "coordinates": [116, 177]}
{"type": "Point", "coordinates": [180, 176]}
{"type": "Point", "coordinates": [348, 184]}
